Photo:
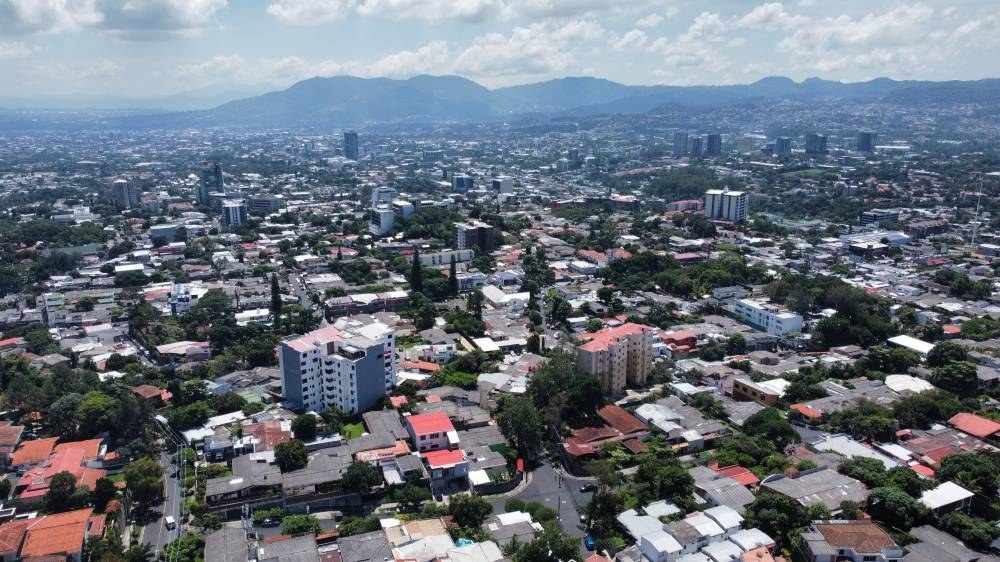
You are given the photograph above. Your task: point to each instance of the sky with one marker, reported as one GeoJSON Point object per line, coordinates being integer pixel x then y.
{"type": "Point", "coordinates": [152, 48]}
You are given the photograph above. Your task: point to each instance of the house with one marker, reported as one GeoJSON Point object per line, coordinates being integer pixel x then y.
{"type": "Point", "coordinates": [854, 541]}
{"type": "Point", "coordinates": [10, 436]}
{"type": "Point", "coordinates": [60, 536]}
{"type": "Point", "coordinates": [946, 497]}
{"type": "Point", "coordinates": [974, 425]}
{"type": "Point", "coordinates": [446, 464]}
{"type": "Point", "coordinates": [818, 486]}
{"type": "Point", "coordinates": [431, 431]}
{"type": "Point", "coordinates": [365, 547]}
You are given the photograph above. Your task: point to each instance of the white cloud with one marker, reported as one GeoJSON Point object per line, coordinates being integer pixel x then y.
{"type": "Point", "coordinates": [652, 20]}
{"type": "Point", "coordinates": [771, 17]}
{"type": "Point", "coordinates": [15, 50]}
{"type": "Point", "coordinates": [129, 19]}
{"type": "Point", "coordinates": [156, 19]}
{"type": "Point", "coordinates": [630, 41]}
{"type": "Point", "coordinates": [310, 12]}
{"type": "Point", "coordinates": [698, 47]}
{"type": "Point", "coordinates": [429, 59]}
{"type": "Point", "coordinates": [433, 10]}
{"type": "Point", "coordinates": [542, 48]}
{"type": "Point", "coordinates": [46, 16]}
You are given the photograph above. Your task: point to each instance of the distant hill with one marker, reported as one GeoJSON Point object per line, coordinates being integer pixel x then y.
{"type": "Point", "coordinates": [351, 101]}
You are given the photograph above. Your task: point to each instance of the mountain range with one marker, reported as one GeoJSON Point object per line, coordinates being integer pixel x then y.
{"type": "Point", "coordinates": [343, 101]}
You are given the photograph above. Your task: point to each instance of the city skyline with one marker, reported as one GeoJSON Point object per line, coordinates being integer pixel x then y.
{"type": "Point", "coordinates": [164, 47]}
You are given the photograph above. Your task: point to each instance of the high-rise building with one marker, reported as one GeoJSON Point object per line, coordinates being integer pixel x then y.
{"type": "Point", "coordinates": [263, 203]}
{"type": "Point", "coordinates": [726, 205]}
{"type": "Point", "coordinates": [618, 356]}
{"type": "Point", "coordinates": [680, 144]}
{"type": "Point", "coordinates": [503, 184]}
{"type": "Point", "coordinates": [350, 366]}
{"type": "Point", "coordinates": [351, 145]}
{"type": "Point", "coordinates": [815, 144]}
{"type": "Point", "coordinates": [234, 212]}
{"type": "Point", "coordinates": [713, 144]}
{"type": "Point", "coordinates": [461, 183]}
{"type": "Point", "coordinates": [380, 219]}
{"type": "Point", "coordinates": [695, 145]}
{"type": "Point", "coordinates": [866, 141]}
{"type": "Point", "coordinates": [126, 195]}
{"type": "Point", "coordinates": [783, 146]}
{"type": "Point", "coordinates": [211, 182]}
{"type": "Point", "coordinates": [475, 234]}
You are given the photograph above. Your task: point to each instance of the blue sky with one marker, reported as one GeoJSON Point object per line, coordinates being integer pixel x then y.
{"type": "Point", "coordinates": [146, 48]}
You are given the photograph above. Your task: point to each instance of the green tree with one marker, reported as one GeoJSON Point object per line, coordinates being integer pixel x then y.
{"type": "Point", "coordinates": [777, 515]}
{"type": "Point", "coordinates": [770, 424]}
{"type": "Point", "coordinates": [59, 495]}
{"type": "Point", "coordinates": [304, 427]}
{"type": "Point", "coordinates": [547, 546]}
{"type": "Point", "coordinates": [94, 414]}
{"type": "Point", "coordinates": [919, 411]}
{"type": "Point", "coordinates": [411, 496]}
{"type": "Point", "coordinates": [474, 304]}
{"type": "Point", "coordinates": [186, 547]}
{"type": "Point", "coordinates": [299, 524]}
{"type": "Point", "coordinates": [975, 533]}
{"type": "Point", "coordinates": [976, 471]}
{"type": "Point", "coordinates": [522, 424]}
{"type": "Point", "coordinates": [869, 471]}
{"type": "Point", "coordinates": [291, 455]}
{"type": "Point", "coordinates": [276, 302]}
{"type": "Point", "coordinates": [360, 477]}
{"type": "Point", "coordinates": [5, 488]}
{"type": "Point", "coordinates": [416, 273]}
{"type": "Point", "coordinates": [228, 402]}
{"type": "Point", "coordinates": [946, 352]}
{"type": "Point", "coordinates": [144, 478]}
{"type": "Point", "coordinates": [895, 508]}
{"type": "Point", "coordinates": [957, 377]}
{"type": "Point", "coordinates": [453, 277]}
{"type": "Point", "coordinates": [736, 344]}
{"type": "Point", "coordinates": [104, 491]}
{"type": "Point", "coordinates": [469, 511]}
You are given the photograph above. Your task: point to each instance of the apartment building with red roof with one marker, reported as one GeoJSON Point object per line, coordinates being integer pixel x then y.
{"type": "Point", "coordinates": [619, 357]}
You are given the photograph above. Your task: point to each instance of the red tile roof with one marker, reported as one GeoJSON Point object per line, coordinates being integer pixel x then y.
{"type": "Point", "coordinates": [600, 340]}
{"type": "Point", "coordinates": [923, 470]}
{"type": "Point", "coordinates": [618, 418]}
{"type": "Point", "coordinates": [421, 366]}
{"type": "Point", "coordinates": [737, 473]}
{"type": "Point", "coordinates": [56, 534]}
{"type": "Point", "coordinates": [434, 422]}
{"type": "Point", "coordinates": [444, 457]}
{"type": "Point", "coordinates": [862, 536]}
{"type": "Point", "coordinates": [974, 425]}
{"type": "Point", "coordinates": [89, 447]}
{"type": "Point", "coordinates": [12, 534]}
{"type": "Point", "coordinates": [807, 411]}
{"type": "Point", "coordinates": [33, 452]}
{"type": "Point", "coordinates": [398, 401]}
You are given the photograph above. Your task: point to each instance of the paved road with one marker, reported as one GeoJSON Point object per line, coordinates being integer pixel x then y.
{"type": "Point", "coordinates": [155, 532]}
{"type": "Point", "coordinates": [560, 492]}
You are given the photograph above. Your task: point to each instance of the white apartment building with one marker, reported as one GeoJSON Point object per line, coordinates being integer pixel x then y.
{"type": "Point", "coordinates": [772, 318]}
{"type": "Point", "coordinates": [348, 365]}
{"type": "Point", "coordinates": [727, 205]}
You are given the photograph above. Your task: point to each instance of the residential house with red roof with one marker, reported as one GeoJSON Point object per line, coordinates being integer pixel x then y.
{"type": "Point", "coordinates": [432, 431]}
{"type": "Point", "coordinates": [61, 535]}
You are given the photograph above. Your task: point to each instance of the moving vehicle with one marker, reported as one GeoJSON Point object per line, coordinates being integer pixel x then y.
{"type": "Point", "coordinates": [586, 488]}
{"type": "Point", "coordinates": [270, 522]}
{"type": "Point", "coordinates": [170, 522]}
{"type": "Point", "coordinates": [588, 542]}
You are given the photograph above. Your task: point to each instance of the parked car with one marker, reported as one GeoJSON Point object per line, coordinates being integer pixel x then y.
{"type": "Point", "coordinates": [270, 522]}
{"type": "Point", "coordinates": [587, 488]}
{"type": "Point", "coordinates": [588, 542]}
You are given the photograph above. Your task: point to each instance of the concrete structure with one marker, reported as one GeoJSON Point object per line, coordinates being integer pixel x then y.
{"type": "Point", "coordinates": [432, 431]}
{"type": "Point", "coordinates": [815, 144]}
{"type": "Point", "coordinates": [772, 318]}
{"type": "Point", "coordinates": [783, 146]}
{"type": "Point", "coordinates": [126, 195]}
{"type": "Point", "coordinates": [475, 234]}
{"type": "Point", "coordinates": [351, 150]}
{"type": "Point", "coordinates": [866, 141]}
{"type": "Point", "coordinates": [234, 212]}
{"type": "Point", "coordinates": [350, 366]}
{"type": "Point", "coordinates": [680, 144]}
{"type": "Point", "coordinates": [503, 184]}
{"type": "Point", "coordinates": [263, 203]}
{"type": "Point", "coordinates": [380, 220]}
{"type": "Point", "coordinates": [211, 182]}
{"type": "Point", "coordinates": [713, 144]}
{"type": "Point", "coordinates": [618, 356]}
{"type": "Point", "coordinates": [461, 183]}
{"type": "Point", "coordinates": [726, 205]}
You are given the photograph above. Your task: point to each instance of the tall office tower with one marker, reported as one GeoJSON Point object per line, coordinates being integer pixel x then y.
{"type": "Point", "coordinates": [350, 366]}
{"type": "Point", "coordinates": [126, 195]}
{"type": "Point", "coordinates": [695, 145]}
{"type": "Point", "coordinates": [727, 205]}
{"type": "Point", "coordinates": [461, 183]}
{"type": "Point", "coordinates": [783, 146]}
{"type": "Point", "coordinates": [351, 145]}
{"type": "Point", "coordinates": [475, 234]}
{"type": "Point", "coordinates": [211, 181]}
{"type": "Point", "coordinates": [503, 184]}
{"type": "Point", "coordinates": [866, 141]}
{"type": "Point", "coordinates": [815, 144]}
{"type": "Point", "coordinates": [680, 144]}
{"type": "Point", "coordinates": [713, 144]}
{"type": "Point", "coordinates": [234, 212]}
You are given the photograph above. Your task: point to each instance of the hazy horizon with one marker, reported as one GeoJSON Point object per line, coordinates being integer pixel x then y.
{"type": "Point", "coordinates": [159, 48]}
